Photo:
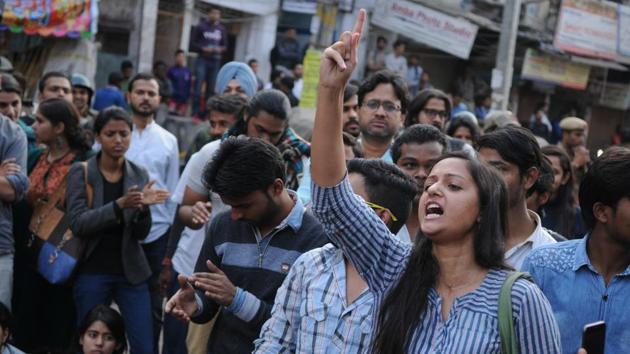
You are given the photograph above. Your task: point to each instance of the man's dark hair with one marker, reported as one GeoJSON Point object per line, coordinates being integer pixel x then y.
{"type": "Point", "coordinates": [349, 91]}
{"type": "Point", "coordinates": [272, 101]}
{"type": "Point", "coordinates": [399, 42]}
{"type": "Point", "coordinates": [516, 145]}
{"type": "Point", "coordinates": [385, 77]}
{"type": "Point", "coordinates": [250, 61]}
{"type": "Point", "coordinates": [8, 83]}
{"type": "Point", "coordinates": [42, 82]}
{"type": "Point", "coordinates": [109, 114]}
{"type": "Point", "coordinates": [381, 38]}
{"type": "Point", "coordinates": [227, 104]}
{"type": "Point", "coordinates": [387, 186]}
{"type": "Point", "coordinates": [417, 134]}
{"type": "Point", "coordinates": [145, 77]}
{"type": "Point", "coordinates": [115, 78]}
{"type": "Point", "coordinates": [418, 103]}
{"type": "Point", "coordinates": [606, 182]}
{"type": "Point", "coordinates": [242, 166]}
{"type": "Point", "coordinates": [126, 64]}
{"type": "Point", "coordinates": [179, 51]}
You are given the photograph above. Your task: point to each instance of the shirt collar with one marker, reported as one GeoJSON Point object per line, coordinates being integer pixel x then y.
{"type": "Point", "coordinates": [581, 256]}
{"type": "Point", "coordinates": [538, 237]}
{"type": "Point", "coordinates": [295, 217]}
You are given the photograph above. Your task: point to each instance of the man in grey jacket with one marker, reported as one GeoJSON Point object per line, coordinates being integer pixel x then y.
{"type": "Point", "coordinates": [13, 185]}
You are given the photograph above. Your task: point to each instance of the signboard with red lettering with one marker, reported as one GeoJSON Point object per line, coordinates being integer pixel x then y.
{"type": "Point", "coordinates": [450, 34]}
{"type": "Point", "coordinates": [588, 27]}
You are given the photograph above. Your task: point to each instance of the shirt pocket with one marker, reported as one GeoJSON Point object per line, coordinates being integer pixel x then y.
{"type": "Point", "coordinates": [312, 332]}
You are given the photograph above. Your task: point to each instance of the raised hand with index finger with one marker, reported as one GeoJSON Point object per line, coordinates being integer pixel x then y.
{"type": "Point", "coordinates": [339, 60]}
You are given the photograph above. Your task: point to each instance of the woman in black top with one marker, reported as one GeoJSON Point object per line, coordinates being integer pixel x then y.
{"type": "Point", "coordinates": [111, 215]}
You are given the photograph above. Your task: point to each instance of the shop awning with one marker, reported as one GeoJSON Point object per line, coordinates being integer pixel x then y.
{"type": "Point", "coordinates": [597, 62]}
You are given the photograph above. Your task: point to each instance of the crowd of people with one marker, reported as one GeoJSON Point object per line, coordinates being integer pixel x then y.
{"type": "Point", "coordinates": [395, 229]}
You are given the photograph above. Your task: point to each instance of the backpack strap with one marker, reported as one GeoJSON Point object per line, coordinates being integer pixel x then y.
{"type": "Point", "coordinates": [509, 342]}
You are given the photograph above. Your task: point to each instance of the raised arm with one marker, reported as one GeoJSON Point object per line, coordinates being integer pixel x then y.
{"type": "Point", "coordinates": [349, 222]}
{"type": "Point", "coordinates": [328, 165]}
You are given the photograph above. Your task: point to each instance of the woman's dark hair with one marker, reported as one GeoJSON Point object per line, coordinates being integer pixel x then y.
{"type": "Point", "coordinates": [109, 114]}
{"type": "Point", "coordinates": [58, 110]}
{"type": "Point", "coordinates": [466, 123]}
{"type": "Point", "coordinates": [404, 306]}
{"type": "Point", "coordinates": [417, 104]}
{"type": "Point", "coordinates": [606, 182]}
{"type": "Point", "coordinates": [388, 186]}
{"type": "Point", "coordinates": [516, 145]}
{"type": "Point", "coordinates": [385, 77]}
{"type": "Point", "coordinates": [243, 165]}
{"type": "Point", "coordinates": [111, 318]}
{"type": "Point", "coordinates": [417, 134]}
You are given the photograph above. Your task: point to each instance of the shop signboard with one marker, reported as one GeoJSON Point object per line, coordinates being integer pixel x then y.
{"type": "Point", "coordinates": [588, 27]}
{"type": "Point", "coordinates": [611, 95]}
{"type": "Point", "coordinates": [300, 6]}
{"type": "Point", "coordinates": [541, 67]}
{"type": "Point", "coordinates": [59, 18]}
{"type": "Point", "coordinates": [451, 34]}
{"type": "Point", "coordinates": [311, 78]}
{"type": "Point", "coordinates": [623, 31]}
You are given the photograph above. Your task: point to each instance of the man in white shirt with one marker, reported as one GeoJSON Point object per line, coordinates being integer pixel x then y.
{"type": "Point", "coordinates": [155, 149]}
{"type": "Point", "coordinates": [396, 61]}
{"type": "Point", "coordinates": [517, 156]}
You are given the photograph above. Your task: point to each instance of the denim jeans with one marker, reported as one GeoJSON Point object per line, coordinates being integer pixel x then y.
{"type": "Point", "coordinates": [155, 252]}
{"type": "Point", "coordinates": [6, 278]}
{"type": "Point", "coordinates": [133, 300]}
{"type": "Point", "coordinates": [175, 331]}
{"type": "Point", "coordinates": [205, 71]}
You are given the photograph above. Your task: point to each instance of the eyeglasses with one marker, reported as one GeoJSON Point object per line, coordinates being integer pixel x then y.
{"type": "Point", "coordinates": [432, 113]}
{"type": "Point", "coordinates": [379, 207]}
{"type": "Point", "coordinates": [389, 107]}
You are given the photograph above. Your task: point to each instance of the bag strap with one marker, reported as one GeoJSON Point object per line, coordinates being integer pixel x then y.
{"type": "Point", "coordinates": [89, 191]}
{"type": "Point", "coordinates": [509, 342]}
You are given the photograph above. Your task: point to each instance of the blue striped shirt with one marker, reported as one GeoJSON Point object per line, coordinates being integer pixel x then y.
{"type": "Point", "coordinates": [472, 323]}
{"type": "Point", "coordinates": [310, 314]}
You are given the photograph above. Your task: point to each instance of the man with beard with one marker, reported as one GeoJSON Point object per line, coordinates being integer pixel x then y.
{"type": "Point", "coordinates": [54, 84]}
{"type": "Point", "coordinates": [249, 249]}
{"type": "Point", "coordinates": [433, 107]}
{"type": "Point", "coordinates": [155, 149]}
{"type": "Point", "coordinates": [350, 113]}
{"type": "Point", "coordinates": [514, 152]}
{"type": "Point", "coordinates": [382, 102]}
{"type": "Point", "coordinates": [414, 152]}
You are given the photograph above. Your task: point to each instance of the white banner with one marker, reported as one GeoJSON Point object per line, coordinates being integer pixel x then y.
{"type": "Point", "coordinates": [422, 24]}
{"type": "Point", "coordinates": [588, 27]}
{"type": "Point", "coordinates": [623, 31]}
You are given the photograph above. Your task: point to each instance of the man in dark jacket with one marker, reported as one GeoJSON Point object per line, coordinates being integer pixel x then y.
{"type": "Point", "coordinates": [210, 41]}
{"type": "Point", "coordinates": [248, 250]}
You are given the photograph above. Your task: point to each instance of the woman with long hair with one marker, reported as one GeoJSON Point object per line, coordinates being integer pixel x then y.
{"type": "Point", "coordinates": [114, 265]}
{"type": "Point", "coordinates": [441, 294]}
{"type": "Point", "coordinates": [102, 330]}
{"type": "Point", "coordinates": [562, 213]}
{"type": "Point", "coordinates": [38, 304]}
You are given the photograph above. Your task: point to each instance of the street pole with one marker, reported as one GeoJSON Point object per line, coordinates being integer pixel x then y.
{"type": "Point", "coordinates": [502, 73]}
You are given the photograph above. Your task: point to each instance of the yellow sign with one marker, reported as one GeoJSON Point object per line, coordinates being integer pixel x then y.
{"type": "Point", "coordinates": [311, 78]}
{"type": "Point", "coordinates": [541, 67]}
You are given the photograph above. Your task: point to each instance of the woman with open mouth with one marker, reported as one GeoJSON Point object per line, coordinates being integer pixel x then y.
{"type": "Point", "coordinates": [440, 295]}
